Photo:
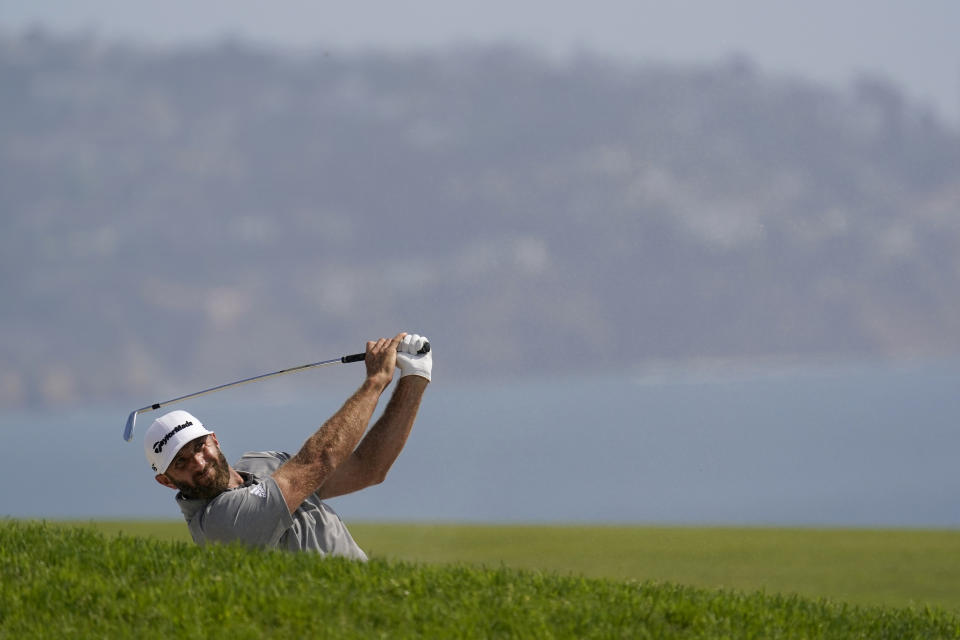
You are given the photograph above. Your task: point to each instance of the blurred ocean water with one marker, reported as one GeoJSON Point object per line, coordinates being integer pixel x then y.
{"type": "Point", "coordinates": [839, 445]}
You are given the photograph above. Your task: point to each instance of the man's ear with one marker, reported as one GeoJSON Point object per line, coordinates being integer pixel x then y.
{"type": "Point", "coordinates": [165, 481]}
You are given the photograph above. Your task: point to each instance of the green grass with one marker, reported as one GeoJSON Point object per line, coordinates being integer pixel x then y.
{"type": "Point", "coordinates": [58, 581]}
{"type": "Point", "coordinates": [868, 567]}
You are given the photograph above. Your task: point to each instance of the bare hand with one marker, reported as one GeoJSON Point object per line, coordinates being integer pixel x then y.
{"type": "Point", "coordinates": [381, 359]}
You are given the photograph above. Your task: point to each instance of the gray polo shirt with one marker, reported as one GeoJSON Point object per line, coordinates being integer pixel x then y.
{"type": "Point", "coordinates": [256, 514]}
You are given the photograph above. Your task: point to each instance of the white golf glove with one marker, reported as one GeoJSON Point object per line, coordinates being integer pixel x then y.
{"type": "Point", "coordinates": [409, 361]}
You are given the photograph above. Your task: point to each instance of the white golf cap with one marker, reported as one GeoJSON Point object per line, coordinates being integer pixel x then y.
{"type": "Point", "coordinates": [167, 435]}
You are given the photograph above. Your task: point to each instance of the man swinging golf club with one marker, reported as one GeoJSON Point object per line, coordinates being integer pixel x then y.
{"type": "Point", "coordinates": [274, 500]}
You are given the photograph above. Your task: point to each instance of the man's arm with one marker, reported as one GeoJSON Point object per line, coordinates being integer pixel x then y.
{"type": "Point", "coordinates": [334, 442]}
{"type": "Point", "coordinates": [379, 449]}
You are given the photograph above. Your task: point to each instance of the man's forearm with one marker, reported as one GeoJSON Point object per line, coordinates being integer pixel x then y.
{"type": "Point", "coordinates": [379, 449]}
{"type": "Point", "coordinates": [383, 443]}
{"type": "Point", "coordinates": [323, 452]}
{"type": "Point", "coordinates": [333, 442]}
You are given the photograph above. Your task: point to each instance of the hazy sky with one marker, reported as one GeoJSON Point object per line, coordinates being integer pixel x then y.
{"type": "Point", "coordinates": [915, 44]}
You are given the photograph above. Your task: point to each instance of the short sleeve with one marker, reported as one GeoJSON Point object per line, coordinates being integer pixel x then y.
{"type": "Point", "coordinates": [255, 514]}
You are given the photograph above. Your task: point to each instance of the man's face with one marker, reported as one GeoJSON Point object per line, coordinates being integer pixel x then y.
{"type": "Point", "coordinates": [199, 469]}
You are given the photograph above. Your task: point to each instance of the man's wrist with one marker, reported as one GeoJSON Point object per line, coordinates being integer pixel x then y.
{"type": "Point", "coordinates": [376, 384]}
{"type": "Point", "coordinates": [413, 381]}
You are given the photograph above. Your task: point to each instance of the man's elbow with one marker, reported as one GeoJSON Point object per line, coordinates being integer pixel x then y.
{"type": "Point", "coordinates": [370, 471]}
{"type": "Point", "coordinates": [377, 477]}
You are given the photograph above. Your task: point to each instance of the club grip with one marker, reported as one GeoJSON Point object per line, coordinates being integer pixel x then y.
{"type": "Point", "coordinates": [359, 357]}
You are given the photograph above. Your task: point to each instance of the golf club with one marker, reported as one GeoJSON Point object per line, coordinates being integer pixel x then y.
{"type": "Point", "coordinates": [356, 357]}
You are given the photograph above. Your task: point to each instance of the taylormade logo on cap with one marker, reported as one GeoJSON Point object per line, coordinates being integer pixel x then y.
{"type": "Point", "coordinates": [167, 435]}
{"type": "Point", "coordinates": [158, 445]}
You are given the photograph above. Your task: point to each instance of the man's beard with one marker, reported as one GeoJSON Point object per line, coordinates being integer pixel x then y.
{"type": "Point", "coordinates": [212, 482]}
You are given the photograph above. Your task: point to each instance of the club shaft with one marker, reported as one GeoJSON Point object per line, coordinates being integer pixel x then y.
{"type": "Point", "coordinates": [264, 376]}
{"type": "Point", "coordinates": [132, 419]}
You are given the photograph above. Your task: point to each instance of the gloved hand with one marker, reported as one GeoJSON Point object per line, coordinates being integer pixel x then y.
{"type": "Point", "coordinates": [409, 361]}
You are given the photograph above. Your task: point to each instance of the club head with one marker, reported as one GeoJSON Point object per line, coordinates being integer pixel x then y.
{"type": "Point", "coordinates": [128, 430]}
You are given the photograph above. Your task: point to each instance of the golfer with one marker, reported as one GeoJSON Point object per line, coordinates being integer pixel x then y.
{"type": "Point", "coordinates": [271, 499]}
